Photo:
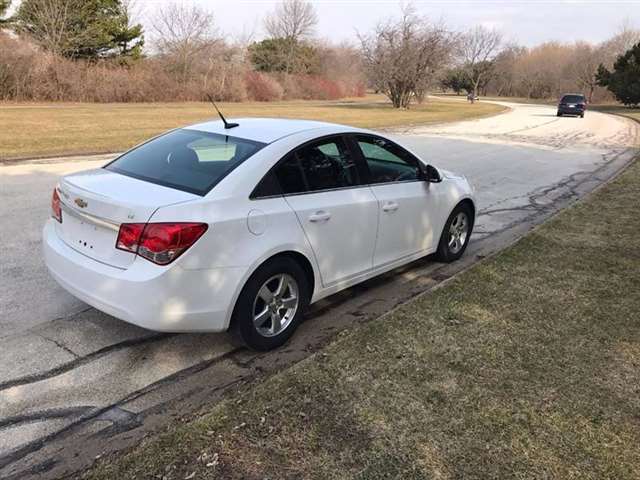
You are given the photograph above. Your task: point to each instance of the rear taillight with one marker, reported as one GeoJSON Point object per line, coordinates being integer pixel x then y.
{"type": "Point", "coordinates": [129, 236]}
{"type": "Point", "coordinates": [160, 243]}
{"type": "Point", "coordinates": [56, 209]}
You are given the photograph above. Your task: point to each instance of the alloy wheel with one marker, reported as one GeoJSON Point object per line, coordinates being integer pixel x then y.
{"type": "Point", "coordinates": [275, 305]}
{"type": "Point", "coordinates": [458, 231]}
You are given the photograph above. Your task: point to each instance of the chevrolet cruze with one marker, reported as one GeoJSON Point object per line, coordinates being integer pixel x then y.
{"type": "Point", "coordinates": [240, 226]}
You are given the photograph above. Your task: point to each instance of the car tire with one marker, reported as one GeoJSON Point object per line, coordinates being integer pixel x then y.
{"type": "Point", "coordinates": [265, 326]}
{"type": "Point", "coordinates": [447, 251]}
{"type": "Point", "coordinates": [558, 114]}
{"type": "Point", "coordinates": [582, 115]}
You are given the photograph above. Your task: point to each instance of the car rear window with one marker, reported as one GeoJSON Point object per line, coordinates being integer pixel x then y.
{"type": "Point", "coordinates": [188, 160]}
{"type": "Point", "coordinates": [572, 99]}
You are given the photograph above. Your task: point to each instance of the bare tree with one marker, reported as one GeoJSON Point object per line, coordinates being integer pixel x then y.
{"type": "Point", "coordinates": [132, 11]}
{"type": "Point", "coordinates": [625, 38]}
{"type": "Point", "coordinates": [583, 66]}
{"type": "Point", "coordinates": [246, 36]}
{"type": "Point", "coordinates": [342, 63]}
{"type": "Point", "coordinates": [401, 57]}
{"type": "Point", "coordinates": [477, 48]}
{"type": "Point", "coordinates": [292, 21]}
{"type": "Point", "coordinates": [182, 32]}
{"type": "Point", "coordinates": [504, 79]}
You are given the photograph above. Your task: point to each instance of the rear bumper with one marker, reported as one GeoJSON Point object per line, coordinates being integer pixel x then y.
{"type": "Point", "coordinates": [571, 111]}
{"type": "Point", "coordinates": [166, 299]}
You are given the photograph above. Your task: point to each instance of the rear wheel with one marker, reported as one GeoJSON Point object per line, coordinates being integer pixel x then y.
{"type": "Point", "coordinates": [455, 235]}
{"type": "Point", "coordinates": [558, 114]}
{"type": "Point", "coordinates": [271, 304]}
{"type": "Point", "coordinates": [582, 115]}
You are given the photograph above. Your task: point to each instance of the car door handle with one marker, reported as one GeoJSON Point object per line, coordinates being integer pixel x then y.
{"type": "Point", "coordinates": [320, 216]}
{"type": "Point", "coordinates": [390, 207]}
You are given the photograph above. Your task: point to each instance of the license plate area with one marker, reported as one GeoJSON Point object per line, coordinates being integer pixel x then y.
{"type": "Point", "coordinates": [82, 235]}
{"type": "Point", "coordinates": [93, 237]}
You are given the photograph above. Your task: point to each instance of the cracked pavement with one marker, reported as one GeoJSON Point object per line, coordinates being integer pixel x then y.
{"type": "Point", "coordinates": [76, 383]}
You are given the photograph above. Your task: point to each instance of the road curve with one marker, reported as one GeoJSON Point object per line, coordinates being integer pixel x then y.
{"type": "Point", "coordinates": [76, 383]}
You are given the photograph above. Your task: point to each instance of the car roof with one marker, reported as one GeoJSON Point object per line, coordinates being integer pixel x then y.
{"type": "Point", "coordinates": [265, 130]}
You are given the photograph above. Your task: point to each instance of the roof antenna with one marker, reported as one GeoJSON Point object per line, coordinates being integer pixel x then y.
{"type": "Point", "coordinates": [227, 125]}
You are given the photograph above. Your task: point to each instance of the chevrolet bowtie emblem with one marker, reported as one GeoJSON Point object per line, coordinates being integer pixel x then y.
{"type": "Point", "coordinates": [80, 202]}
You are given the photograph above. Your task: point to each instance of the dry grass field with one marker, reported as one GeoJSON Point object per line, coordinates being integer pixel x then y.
{"type": "Point", "coordinates": [32, 130]}
{"type": "Point", "coordinates": [619, 110]}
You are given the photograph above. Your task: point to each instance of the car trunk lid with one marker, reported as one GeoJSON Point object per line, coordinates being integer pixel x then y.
{"type": "Point", "coordinates": [96, 202]}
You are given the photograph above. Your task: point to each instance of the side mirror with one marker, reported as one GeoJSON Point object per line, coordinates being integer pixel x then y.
{"type": "Point", "coordinates": [430, 174]}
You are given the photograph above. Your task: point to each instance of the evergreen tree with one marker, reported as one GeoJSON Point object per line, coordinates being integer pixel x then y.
{"type": "Point", "coordinates": [624, 80]}
{"type": "Point", "coordinates": [89, 29]}
{"type": "Point", "coordinates": [4, 6]}
{"type": "Point", "coordinates": [284, 55]}
{"type": "Point", "coordinates": [457, 80]}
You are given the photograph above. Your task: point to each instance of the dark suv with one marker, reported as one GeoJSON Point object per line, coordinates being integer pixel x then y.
{"type": "Point", "coordinates": [572, 104]}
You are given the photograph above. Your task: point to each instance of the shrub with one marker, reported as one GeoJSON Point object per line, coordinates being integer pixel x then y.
{"type": "Point", "coordinates": [290, 86]}
{"type": "Point", "coordinates": [28, 73]}
{"type": "Point", "coordinates": [319, 88]}
{"type": "Point", "coordinates": [17, 63]}
{"type": "Point", "coordinates": [262, 88]}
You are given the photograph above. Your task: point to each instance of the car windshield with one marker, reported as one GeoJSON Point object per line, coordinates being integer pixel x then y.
{"type": "Point", "coordinates": [188, 160]}
{"type": "Point", "coordinates": [572, 99]}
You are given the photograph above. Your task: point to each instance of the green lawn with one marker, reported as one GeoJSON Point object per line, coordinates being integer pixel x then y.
{"type": "Point", "coordinates": [29, 130]}
{"type": "Point", "coordinates": [527, 366]}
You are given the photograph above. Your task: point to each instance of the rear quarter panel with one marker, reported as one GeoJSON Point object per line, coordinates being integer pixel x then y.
{"type": "Point", "coordinates": [234, 240]}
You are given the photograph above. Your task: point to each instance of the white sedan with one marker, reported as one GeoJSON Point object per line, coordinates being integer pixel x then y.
{"type": "Point", "coordinates": [223, 226]}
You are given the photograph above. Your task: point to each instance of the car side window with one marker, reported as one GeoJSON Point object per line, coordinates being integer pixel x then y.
{"type": "Point", "coordinates": [323, 165]}
{"type": "Point", "coordinates": [289, 176]}
{"type": "Point", "coordinates": [268, 187]}
{"type": "Point", "coordinates": [387, 162]}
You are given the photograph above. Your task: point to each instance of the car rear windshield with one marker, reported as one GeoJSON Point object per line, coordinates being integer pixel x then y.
{"type": "Point", "coordinates": [188, 160]}
{"type": "Point", "coordinates": [572, 99]}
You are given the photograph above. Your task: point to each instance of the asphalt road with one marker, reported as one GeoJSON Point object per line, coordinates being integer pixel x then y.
{"type": "Point", "coordinates": [76, 383]}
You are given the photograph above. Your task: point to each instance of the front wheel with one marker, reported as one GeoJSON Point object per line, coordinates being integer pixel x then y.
{"type": "Point", "coordinates": [455, 235]}
{"type": "Point", "coordinates": [271, 304]}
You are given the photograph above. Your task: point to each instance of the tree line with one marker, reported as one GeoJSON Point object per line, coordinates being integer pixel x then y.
{"type": "Point", "coordinates": [94, 50]}
{"type": "Point", "coordinates": [406, 57]}
{"type": "Point", "coordinates": [548, 70]}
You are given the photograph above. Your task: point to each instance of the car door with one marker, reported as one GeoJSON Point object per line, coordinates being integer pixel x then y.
{"type": "Point", "coordinates": [321, 181]}
{"type": "Point", "coordinates": [405, 220]}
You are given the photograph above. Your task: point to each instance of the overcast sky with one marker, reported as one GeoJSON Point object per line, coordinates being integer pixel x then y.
{"type": "Point", "coordinates": [527, 22]}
